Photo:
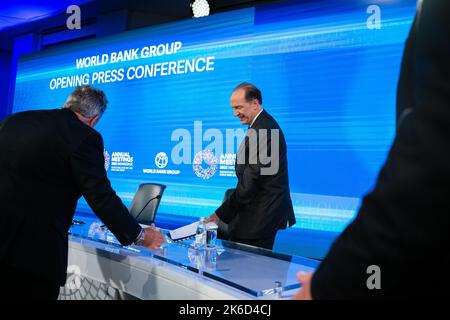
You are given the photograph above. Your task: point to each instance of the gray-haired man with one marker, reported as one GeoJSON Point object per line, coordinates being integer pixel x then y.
{"type": "Point", "coordinates": [48, 160]}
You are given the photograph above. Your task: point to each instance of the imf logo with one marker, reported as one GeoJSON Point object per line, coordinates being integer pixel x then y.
{"type": "Point", "coordinates": [161, 160]}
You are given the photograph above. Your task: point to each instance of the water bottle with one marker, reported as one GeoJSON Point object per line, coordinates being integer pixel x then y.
{"type": "Point", "coordinates": [211, 234]}
{"type": "Point", "coordinates": [200, 234]}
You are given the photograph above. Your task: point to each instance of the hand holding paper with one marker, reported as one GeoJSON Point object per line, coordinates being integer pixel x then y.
{"type": "Point", "coordinates": [213, 218]}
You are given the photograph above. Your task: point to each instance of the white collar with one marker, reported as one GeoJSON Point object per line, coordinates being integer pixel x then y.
{"type": "Point", "coordinates": [254, 119]}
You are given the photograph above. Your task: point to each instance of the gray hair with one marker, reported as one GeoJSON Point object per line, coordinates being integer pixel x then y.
{"type": "Point", "coordinates": [87, 101]}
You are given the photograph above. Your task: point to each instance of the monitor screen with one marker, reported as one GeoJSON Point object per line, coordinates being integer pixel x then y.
{"type": "Point", "coordinates": [328, 73]}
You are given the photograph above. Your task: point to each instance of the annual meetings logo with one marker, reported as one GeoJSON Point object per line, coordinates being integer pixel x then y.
{"type": "Point", "coordinates": [208, 158]}
{"type": "Point", "coordinates": [107, 159]}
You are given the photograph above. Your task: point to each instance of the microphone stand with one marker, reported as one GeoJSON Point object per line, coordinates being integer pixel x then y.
{"type": "Point", "coordinates": [142, 210]}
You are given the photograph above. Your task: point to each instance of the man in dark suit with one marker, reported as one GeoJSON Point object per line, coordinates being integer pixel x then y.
{"type": "Point", "coordinates": [261, 203]}
{"type": "Point", "coordinates": [48, 160]}
{"type": "Point", "coordinates": [397, 246]}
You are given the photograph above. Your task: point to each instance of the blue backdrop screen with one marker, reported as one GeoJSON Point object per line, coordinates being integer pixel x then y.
{"type": "Point", "coordinates": [328, 72]}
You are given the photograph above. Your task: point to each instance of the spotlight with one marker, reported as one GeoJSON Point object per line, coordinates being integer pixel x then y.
{"type": "Point", "coordinates": [200, 8]}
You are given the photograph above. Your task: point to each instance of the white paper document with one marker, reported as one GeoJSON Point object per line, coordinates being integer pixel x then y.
{"type": "Point", "coordinates": [188, 231]}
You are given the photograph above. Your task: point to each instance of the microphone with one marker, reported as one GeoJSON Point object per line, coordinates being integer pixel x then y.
{"type": "Point", "coordinates": [142, 210]}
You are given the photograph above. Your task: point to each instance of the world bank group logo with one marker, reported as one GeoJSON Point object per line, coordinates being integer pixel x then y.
{"type": "Point", "coordinates": [205, 164]}
{"type": "Point", "coordinates": [107, 159]}
{"type": "Point", "coordinates": [161, 160]}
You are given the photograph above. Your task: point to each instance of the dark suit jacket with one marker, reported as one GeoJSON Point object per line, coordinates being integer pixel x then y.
{"type": "Point", "coordinates": [261, 204]}
{"type": "Point", "coordinates": [49, 159]}
{"type": "Point", "coordinates": [403, 225]}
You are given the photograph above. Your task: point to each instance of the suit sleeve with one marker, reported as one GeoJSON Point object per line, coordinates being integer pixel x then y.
{"type": "Point", "coordinates": [242, 196]}
{"type": "Point", "coordinates": [248, 184]}
{"type": "Point", "coordinates": [87, 164]}
{"type": "Point", "coordinates": [402, 225]}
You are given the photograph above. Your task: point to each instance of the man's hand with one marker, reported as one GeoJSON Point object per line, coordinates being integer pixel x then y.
{"type": "Point", "coordinates": [213, 218]}
{"type": "Point", "coordinates": [153, 238]}
{"type": "Point", "coordinates": [305, 291]}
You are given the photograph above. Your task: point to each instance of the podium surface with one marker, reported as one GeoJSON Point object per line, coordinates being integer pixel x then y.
{"type": "Point", "coordinates": [177, 270]}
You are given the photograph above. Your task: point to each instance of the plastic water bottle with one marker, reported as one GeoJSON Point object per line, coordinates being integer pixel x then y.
{"type": "Point", "coordinates": [200, 235]}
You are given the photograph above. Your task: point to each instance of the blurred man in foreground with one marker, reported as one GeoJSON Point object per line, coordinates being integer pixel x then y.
{"type": "Point", "coordinates": [397, 246]}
